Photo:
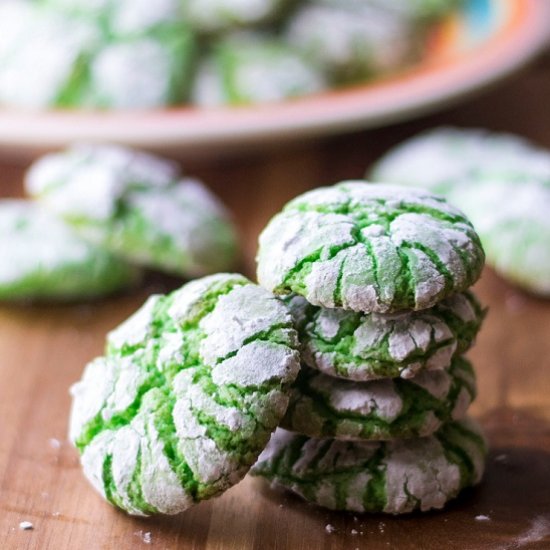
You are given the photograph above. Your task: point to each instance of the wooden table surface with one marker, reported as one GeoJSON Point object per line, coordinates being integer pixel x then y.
{"type": "Point", "coordinates": [44, 348]}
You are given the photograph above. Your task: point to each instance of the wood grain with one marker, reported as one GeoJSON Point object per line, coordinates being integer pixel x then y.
{"type": "Point", "coordinates": [44, 348]}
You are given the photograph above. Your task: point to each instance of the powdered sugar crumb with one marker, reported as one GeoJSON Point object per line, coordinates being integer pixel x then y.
{"type": "Point", "coordinates": [329, 528]}
{"type": "Point", "coordinates": [146, 537]}
{"type": "Point", "coordinates": [482, 517]}
{"type": "Point", "coordinates": [26, 526]}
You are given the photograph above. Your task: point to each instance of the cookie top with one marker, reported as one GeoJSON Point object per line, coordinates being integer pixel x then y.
{"type": "Point", "coordinates": [254, 68]}
{"type": "Point", "coordinates": [134, 205]}
{"type": "Point", "coordinates": [187, 395]}
{"type": "Point", "coordinates": [513, 220]}
{"type": "Point", "coordinates": [322, 406]}
{"type": "Point", "coordinates": [395, 477]}
{"type": "Point", "coordinates": [370, 248]}
{"type": "Point", "coordinates": [441, 158]}
{"type": "Point", "coordinates": [43, 259]}
{"type": "Point", "coordinates": [366, 346]}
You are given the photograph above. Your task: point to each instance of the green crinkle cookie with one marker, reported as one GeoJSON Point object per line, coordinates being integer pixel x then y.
{"type": "Point", "coordinates": [394, 477]}
{"type": "Point", "coordinates": [354, 41]}
{"type": "Point", "coordinates": [38, 69]}
{"type": "Point", "coordinates": [370, 248]}
{"type": "Point", "coordinates": [254, 68]}
{"type": "Point", "coordinates": [43, 259]}
{"type": "Point", "coordinates": [215, 16]}
{"type": "Point", "coordinates": [125, 18]}
{"type": "Point", "coordinates": [187, 395]}
{"type": "Point", "coordinates": [441, 158]}
{"type": "Point", "coordinates": [366, 346]}
{"type": "Point", "coordinates": [322, 406]}
{"type": "Point", "coordinates": [501, 181]}
{"type": "Point", "coordinates": [134, 205]}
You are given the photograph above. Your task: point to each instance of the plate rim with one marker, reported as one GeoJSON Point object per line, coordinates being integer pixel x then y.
{"type": "Point", "coordinates": [424, 88]}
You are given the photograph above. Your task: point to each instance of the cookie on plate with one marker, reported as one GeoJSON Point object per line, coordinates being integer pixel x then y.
{"type": "Point", "coordinates": [322, 406]}
{"type": "Point", "coordinates": [354, 41]}
{"type": "Point", "coordinates": [215, 16]}
{"type": "Point", "coordinates": [136, 206]}
{"type": "Point", "coordinates": [253, 68]}
{"type": "Point", "coordinates": [394, 477]}
{"type": "Point", "coordinates": [42, 259]}
{"type": "Point", "coordinates": [30, 45]}
{"type": "Point", "coordinates": [186, 397]}
{"type": "Point", "coordinates": [141, 73]}
{"type": "Point", "coordinates": [367, 346]}
{"type": "Point", "coordinates": [370, 248]}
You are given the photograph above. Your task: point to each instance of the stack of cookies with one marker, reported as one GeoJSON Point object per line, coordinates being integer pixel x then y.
{"type": "Point", "coordinates": [377, 279]}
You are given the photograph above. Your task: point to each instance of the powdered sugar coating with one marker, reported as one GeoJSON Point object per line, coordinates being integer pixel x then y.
{"type": "Point", "coordinates": [209, 16]}
{"type": "Point", "coordinates": [30, 45]}
{"type": "Point", "coordinates": [366, 346]}
{"type": "Point", "coordinates": [322, 406]}
{"type": "Point", "coordinates": [440, 158]}
{"type": "Point", "coordinates": [185, 425]}
{"type": "Point", "coordinates": [353, 41]}
{"type": "Point", "coordinates": [254, 68]}
{"type": "Point", "coordinates": [43, 258]}
{"type": "Point", "coordinates": [136, 205]}
{"type": "Point", "coordinates": [370, 248]}
{"type": "Point", "coordinates": [395, 477]}
{"type": "Point", "coordinates": [132, 75]}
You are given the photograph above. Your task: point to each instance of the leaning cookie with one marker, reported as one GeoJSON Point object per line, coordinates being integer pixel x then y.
{"type": "Point", "coordinates": [187, 395]}
{"type": "Point", "coordinates": [321, 406]}
{"type": "Point", "coordinates": [42, 259]}
{"type": "Point", "coordinates": [135, 205]}
{"type": "Point", "coordinates": [370, 248]}
{"type": "Point", "coordinates": [367, 346]}
{"type": "Point", "coordinates": [365, 476]}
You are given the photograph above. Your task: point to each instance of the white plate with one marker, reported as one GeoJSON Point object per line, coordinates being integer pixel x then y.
{"type": "Point", "coordinates": [488, 41]}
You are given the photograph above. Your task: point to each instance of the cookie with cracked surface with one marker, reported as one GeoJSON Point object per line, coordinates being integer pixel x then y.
{"type": "Point", "coordinates": [218, 16]}
{"type": "Point", "coordinates": [322, 406]}
{"type": "Point", "coordinates": [135, 205]}
{"type": "Point", "coordinates": [42, 259]}
{"type": "Point", "coordinates": [354, 41]}
{"type": "Point", "coordinates": [187, 395]}
{"type": "Point", "coordinates": [253, 68]}
{"type": "Point", "coordinates": [394, 477]}
{"type": "Point", "coordinates": [38, 69]}
{"type": "Point", "coordinates": [370, 248]}
{"type": "Point", "coordinates": [367, 346]}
